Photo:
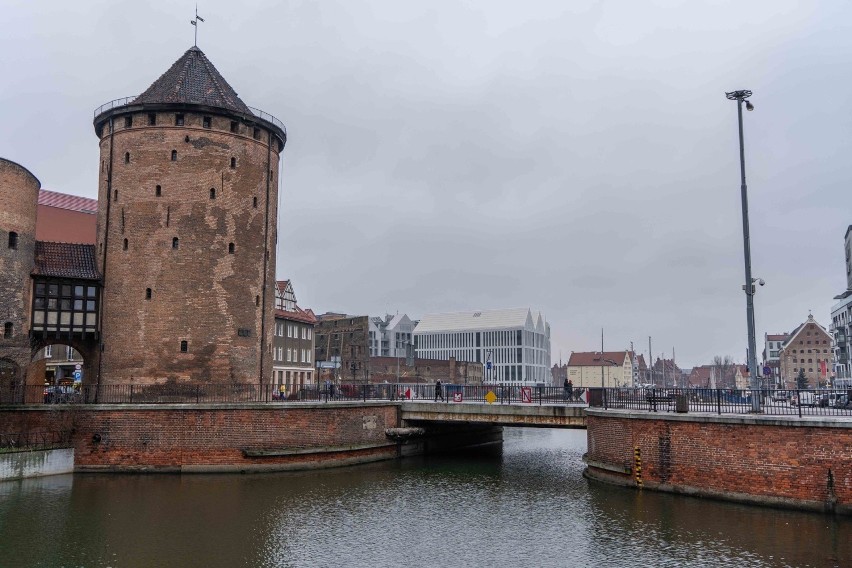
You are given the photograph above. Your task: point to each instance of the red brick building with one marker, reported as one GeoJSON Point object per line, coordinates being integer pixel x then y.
{"type": "Point", "coordinates": [187, 231]}
{"type": "Point", "coordinates": [66, 218]}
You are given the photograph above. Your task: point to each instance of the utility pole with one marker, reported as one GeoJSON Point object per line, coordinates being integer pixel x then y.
{"type": "Point", "coordinates": [676, 378]}
{"type": "Point", "coordinates": [602, 366]}
{"type": "Point", "coordinates": [650, 361]}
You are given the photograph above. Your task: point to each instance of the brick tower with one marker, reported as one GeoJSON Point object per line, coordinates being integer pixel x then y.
{"type": "Point", "coordinates": [18, 205]}
{"type": "Point", "coordinates": [187, 231]}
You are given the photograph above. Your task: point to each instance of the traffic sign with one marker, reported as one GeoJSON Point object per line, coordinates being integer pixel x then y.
{"type": "Point", "coordinates": [767, 371]}
{"type": "Point", "coordinates": [457, 397]}
{"type": "Point", "coordinates": [78, 375]}
{"type": "Point", "coordinates": [526, 394]}
{"type": "Point", "coordinates": [78, 366]}
{"type": "Point", "coordinates": [490, 398]}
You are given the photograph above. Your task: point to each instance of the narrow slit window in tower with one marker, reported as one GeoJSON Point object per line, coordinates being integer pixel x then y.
{"type": "Point", "coordinates": [158, 191]}
{"type": "Point", "coordinates": [257, 133]}
{"type": "Point", "coordinates": [233, 162]}
{"type": "Point", "coordinates": [230, 248]}
{"type": "Point", "coordinates": [178, 120]}
{"type": "Point", "coordinates": [205, 122]}
{"type": "Point", "coordinates": [174, 155]}
{"type": "Point", "coordinates": [184, 346]}
{"type": "Point", "coordinates": [127, 157]}
{"type": "Point", "coordinates": [115, 195]}
{"type": "Point", "coordinates": [8, 328]}
{"type": "Point", "coordinates": [13, 240]}
{"type": "Point", "coordinates": [212, 193]}
{"type": "Point", "coordinates": [152, 118]}
{"type": "Point", "coordinates": [125, 244]}
{"type": "Point", "coordinates": [257, 300]}
{"type": "Point", "coordinates": [128, 121]}
{"type": "Point", "coordinates": [175, 242]}
{"type": "Point", "coordinates": [147, 293]}
{"type": "Point", "coordinates": [235, 126]}
{"type": "Point", "coordinates": [254, 202]}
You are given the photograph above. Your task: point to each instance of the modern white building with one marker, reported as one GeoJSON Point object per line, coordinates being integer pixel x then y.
{"type": "Point", "coordinates": [841, 318]}
{"type": "Point", "coordinates": [841, 331]}
{"type": "Point", "coordinates": [514, 341]}
{"type": "Point", "coordinates": [390, 336]}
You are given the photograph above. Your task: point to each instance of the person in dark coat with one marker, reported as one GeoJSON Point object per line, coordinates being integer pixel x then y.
{"type": "Point", "coordinates": [568, 389]}
{"type": "Point", "coordinates": [439, 391]}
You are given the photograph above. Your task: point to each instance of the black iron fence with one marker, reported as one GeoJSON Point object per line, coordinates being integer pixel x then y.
{"type": "Point", "coordinates": [822, 402]}
{"type": "Point", "coordinates": [244, 393]}
{"type": "Point", "coordinates": [23, 441]}
{"type": "Point", "coordinates": [799, 402]}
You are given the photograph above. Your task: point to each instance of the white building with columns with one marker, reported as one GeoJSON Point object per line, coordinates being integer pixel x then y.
{"type": "Point", "coordinates": [515, 341]}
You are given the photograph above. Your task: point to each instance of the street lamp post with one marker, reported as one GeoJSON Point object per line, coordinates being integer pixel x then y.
{"type": "Point", "coordinates": [741, 97]}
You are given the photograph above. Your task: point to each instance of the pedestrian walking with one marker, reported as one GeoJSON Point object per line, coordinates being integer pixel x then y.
{"type": "Point", "coordinates": [566, 390]}
{"type": "Point", "coordinates": [569, 386]}
{"type": "Point", "coordinates": [439, 391]}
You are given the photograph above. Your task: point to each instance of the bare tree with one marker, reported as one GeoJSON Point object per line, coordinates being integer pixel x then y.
{"type": "Point", "coordinates": [723, 372]}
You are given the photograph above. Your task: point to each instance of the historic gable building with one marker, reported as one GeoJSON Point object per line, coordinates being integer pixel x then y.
{"type": "Point", "coordinates": [808, 350]}
{"type": "Point", "coordinates": [293, 345]}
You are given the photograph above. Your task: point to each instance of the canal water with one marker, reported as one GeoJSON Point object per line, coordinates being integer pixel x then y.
{"type": "Point", "coordinates": [525, 504]}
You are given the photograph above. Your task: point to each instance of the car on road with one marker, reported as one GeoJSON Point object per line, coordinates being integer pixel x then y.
{"type": "Point", "coordinates": [804, 398]}
{"type": "Point", "coordinates": [838, 399]}
{"type": "Point", "coordinates": [780, 396]}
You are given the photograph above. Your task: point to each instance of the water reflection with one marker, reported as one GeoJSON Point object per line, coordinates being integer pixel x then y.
{"type": "Point", "coordinates": [525, 504]}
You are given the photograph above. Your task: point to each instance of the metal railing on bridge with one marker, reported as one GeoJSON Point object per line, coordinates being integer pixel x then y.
{"type": "Point", "coordinates": [795, 402]}
{"type": "Point", "coordinates": [804, 402]}
{"type": "Point", "coordinates": [197, 393]}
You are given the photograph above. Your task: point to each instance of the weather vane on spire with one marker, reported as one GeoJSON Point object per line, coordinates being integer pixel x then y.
{"type": "Point", "coordinates": [195, 24]}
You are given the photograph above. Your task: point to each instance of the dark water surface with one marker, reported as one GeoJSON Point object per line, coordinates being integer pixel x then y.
{"type": "Point", "coordinates": [526, 504]}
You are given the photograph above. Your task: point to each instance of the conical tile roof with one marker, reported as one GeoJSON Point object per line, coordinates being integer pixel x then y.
{"type": "Point", "coordinates": [192, 79]}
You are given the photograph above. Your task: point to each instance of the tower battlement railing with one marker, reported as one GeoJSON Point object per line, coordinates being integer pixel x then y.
{"type": "Point", "coordinates": [125, 101]}
{"type": "Point", "coordinates": [114, 104]}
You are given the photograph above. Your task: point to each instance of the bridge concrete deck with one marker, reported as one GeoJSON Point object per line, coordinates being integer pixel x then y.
{"type": "Point", "coordinates": [534, 415]}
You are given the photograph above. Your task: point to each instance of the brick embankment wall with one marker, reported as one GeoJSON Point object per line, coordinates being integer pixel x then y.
{"type": "Point", "coordinates": [215, 438]}
{"type": "Point", "coordinates": [776, 461]}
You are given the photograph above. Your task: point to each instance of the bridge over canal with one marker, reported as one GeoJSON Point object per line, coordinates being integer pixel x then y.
{"type": "Point", "coordinates": [569, 415]}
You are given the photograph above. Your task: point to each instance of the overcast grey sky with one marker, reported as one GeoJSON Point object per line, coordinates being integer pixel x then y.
{"type": "Point", "coordinates": [575, 157]}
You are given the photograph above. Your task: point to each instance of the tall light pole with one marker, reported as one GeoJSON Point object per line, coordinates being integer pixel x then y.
{"type": "Point", "coordinates": [741, 97]}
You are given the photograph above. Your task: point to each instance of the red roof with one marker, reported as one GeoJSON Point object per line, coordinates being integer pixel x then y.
{"type": "Point", "coordinates": [304, 316]}
{"type": "Point", "coordinates": [594, 358]}
{"type": "Point", "coordinates": [777, 337]}
{"type": "Point", "coordinates": [66, 260]}
{"type": "Point", "coordinates": [65, 201]}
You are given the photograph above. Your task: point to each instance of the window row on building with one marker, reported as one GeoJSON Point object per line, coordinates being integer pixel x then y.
{"type": "Point", "coordinates": [292, 355]}
{"type": "Point", "coordinates": [181, 119]}
{"type": "Point", "coordinates": [293, 330]}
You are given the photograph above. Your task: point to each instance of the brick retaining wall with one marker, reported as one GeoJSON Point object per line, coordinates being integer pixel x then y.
{"type": "Point", "coordinates": [245, 437]}
{"type": "Point", "coordinates": [789, 462]}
